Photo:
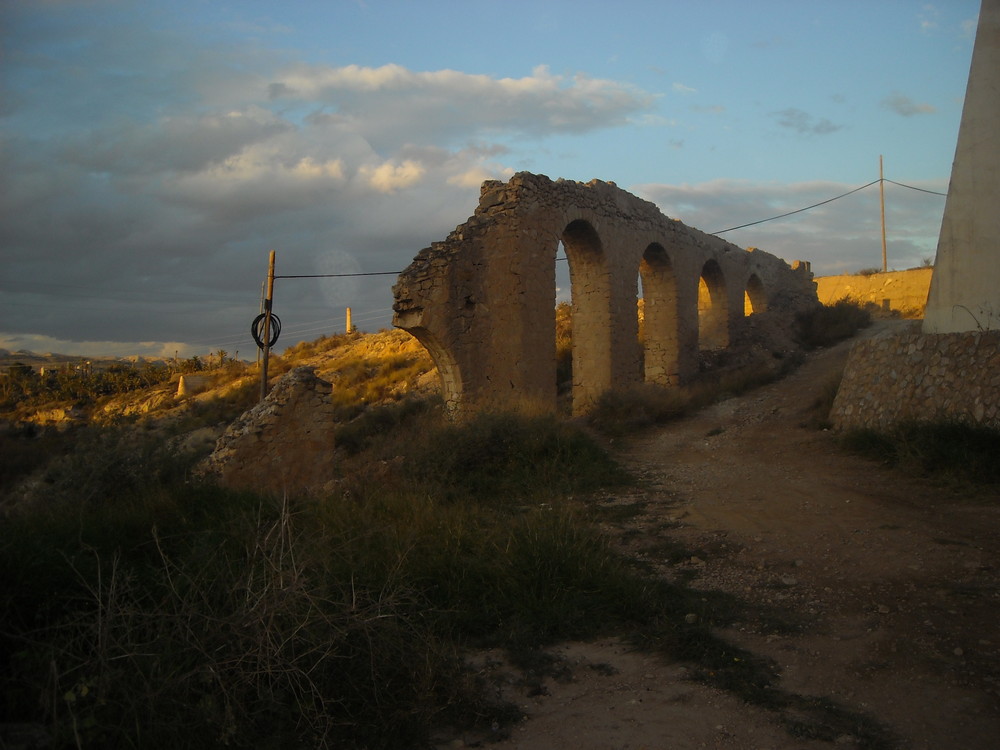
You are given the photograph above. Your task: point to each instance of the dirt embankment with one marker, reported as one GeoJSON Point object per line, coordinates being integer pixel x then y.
{"type": "Point", "coordinates": [895, 582]}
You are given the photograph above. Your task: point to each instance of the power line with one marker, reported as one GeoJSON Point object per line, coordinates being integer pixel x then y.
{"type": "Point", "coordinates": [798, 210]}
{"type": "Point", "coordinates": [338, 275]}
{"type": "Point", "coordinates": [932, 192]}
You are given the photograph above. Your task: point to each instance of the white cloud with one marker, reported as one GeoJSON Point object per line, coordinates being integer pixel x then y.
{"type": "Point", "coordinates": [393, 105]}
{"type": "Point", "coordinates": [473, 178]}
{"type": "Point", "coordinates": [928, 17]}
{"type": "Point", "coordinates": [680, 88]}
{"type": "Point", "coordinates": [390, 177]}
{"type": "Point", "coordinates": [905, 106]}
{"type": "Point", "coordinates": [310, 168]}
{"type": "Point", "coordinates": [804, 123]}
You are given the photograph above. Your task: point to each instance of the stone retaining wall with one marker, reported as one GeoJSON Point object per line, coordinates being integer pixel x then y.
{"type": "Point", "coordinates": [902, 292]}
{"type": "Point", "coordinates": [915, 376]}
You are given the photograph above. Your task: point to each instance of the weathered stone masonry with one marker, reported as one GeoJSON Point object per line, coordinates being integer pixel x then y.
{"type": "Point", "coordinates": [284, 444]}
{"type": "Point", "coordinates": [921, 377]}
{"type": "Point", "coordinates": [482, 301]}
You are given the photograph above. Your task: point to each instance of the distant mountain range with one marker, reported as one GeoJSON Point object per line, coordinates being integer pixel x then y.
{"type": "Point", "coordinates": [51, 359]}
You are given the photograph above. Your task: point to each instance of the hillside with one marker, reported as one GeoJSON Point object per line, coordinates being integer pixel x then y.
{"type": "Point", "coordinates": [192, 410]}
{"type": "Point", "coordinates": [368, 367]}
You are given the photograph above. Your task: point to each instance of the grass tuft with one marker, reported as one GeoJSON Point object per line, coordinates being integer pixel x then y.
{"type": "Point", "coordinates": [505, 456]}
{"type": "Point", "coordinates": [827, 324]}
{"type": "Point", "coordinates": [952, 451]}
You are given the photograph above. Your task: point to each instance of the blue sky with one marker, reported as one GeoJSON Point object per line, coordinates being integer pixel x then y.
{"type": "Point", "coordinates": [154, 152]}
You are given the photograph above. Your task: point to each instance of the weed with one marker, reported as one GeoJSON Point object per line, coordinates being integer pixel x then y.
{"type": "Point", "coordinates": [26, 448]}
{"type": "Point", "coordinates": [827, 324]}
{"type": "Point", "coordinates": [378, 422]}
{"type": "Point", "coordinates": [511, 457]}
{"type": "Point", "coordinates": [950, 450]}
{"type": "Point", "coordinates": [620, 412]}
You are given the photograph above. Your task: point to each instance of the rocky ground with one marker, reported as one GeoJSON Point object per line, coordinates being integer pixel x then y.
{"type": "Point", "coordinates": [893, 583]}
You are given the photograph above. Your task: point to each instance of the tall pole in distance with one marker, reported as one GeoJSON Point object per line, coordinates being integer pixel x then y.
{"type": "Point", "coordinates": [881, 195]}
{"type": "Point", "coordinates": [267, 326]}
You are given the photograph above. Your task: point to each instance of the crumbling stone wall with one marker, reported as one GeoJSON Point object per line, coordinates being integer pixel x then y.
{"type": "Point", "coordinates": [284, 444]}
{"type": "Point", "coordinates": [482, 300]}
{"type": "Point", "coordinates": [915, 376]}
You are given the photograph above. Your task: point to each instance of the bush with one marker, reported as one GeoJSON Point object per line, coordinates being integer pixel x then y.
{"type": "Point", "coordinates": [827, 324]}
{"type": "Point", "coordinates": [620, 412]}
{"type": "Point", "coordinates": [511, 457]}
{"type": "Point", "coordinates": [377, 422]}
{"type": "Point", "coordinates": [950, 450]}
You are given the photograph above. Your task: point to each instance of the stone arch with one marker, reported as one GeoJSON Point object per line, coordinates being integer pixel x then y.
{"type": "Point", "coordinates": [713, 308]}
{"type": "Point", "coordinates": [754, 296]}
{"type": "Point", "coordinates": [447, 367]}
{"type": "Point", "coordinates": [590, 285]}
{"type": "Point", "coordinates": [661, 321]}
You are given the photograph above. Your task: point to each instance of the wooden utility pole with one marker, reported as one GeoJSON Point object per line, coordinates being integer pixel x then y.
{"type": "Point", "coordinates": [266, 338]}
{"type": "Point", "coordinates": [348, 326]}
{"type": "Point", "coordinates": [881, 195]}
{"type": "Point", "coordinates": [263, 291]}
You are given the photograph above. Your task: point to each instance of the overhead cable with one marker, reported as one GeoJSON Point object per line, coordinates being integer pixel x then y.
{"type": "Point", "coordinates": [798, 210]}
{"type": "Point", "coordinates": [338, 275]}
{"type": "Point", "coordinates": [932, 192]}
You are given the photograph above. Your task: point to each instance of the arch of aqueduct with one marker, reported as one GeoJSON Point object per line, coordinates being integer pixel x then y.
{"type": "Point", "coordinates": [482, 301]}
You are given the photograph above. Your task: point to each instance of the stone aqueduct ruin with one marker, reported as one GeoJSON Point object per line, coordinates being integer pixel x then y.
{"type": "Point", "coordinates": [482, 301]}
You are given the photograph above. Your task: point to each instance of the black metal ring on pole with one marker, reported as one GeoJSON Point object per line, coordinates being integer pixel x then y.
{"type": "Point", "coordinates": [257, 330]}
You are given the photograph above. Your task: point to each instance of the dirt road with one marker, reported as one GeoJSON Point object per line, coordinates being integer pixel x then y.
{"type": "Point", "coordinates": [895, 581]}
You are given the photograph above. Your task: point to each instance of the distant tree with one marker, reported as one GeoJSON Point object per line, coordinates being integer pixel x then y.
{"type": "Point", "coordinates": [191, 364]}
{"type": "Point", "coordinates": [18, 383]}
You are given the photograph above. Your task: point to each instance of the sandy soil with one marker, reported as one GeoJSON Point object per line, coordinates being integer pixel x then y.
{"type": "Point", "coordinates": [894, 581]}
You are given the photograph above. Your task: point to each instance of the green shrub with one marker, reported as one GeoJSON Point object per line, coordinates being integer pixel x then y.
{"type": "Point", "coordinates": [377, 422]}
{"type": "Point", "coordinates": [498, 456]}
{"type": "Point", "coordinates": [26, 448]}
{"type": "Point", "coordinates": [620, 412]}
{"type": "Point", "coordinates": [950, 450]}
{"type": "Point", "coordinates": [827, 324]}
